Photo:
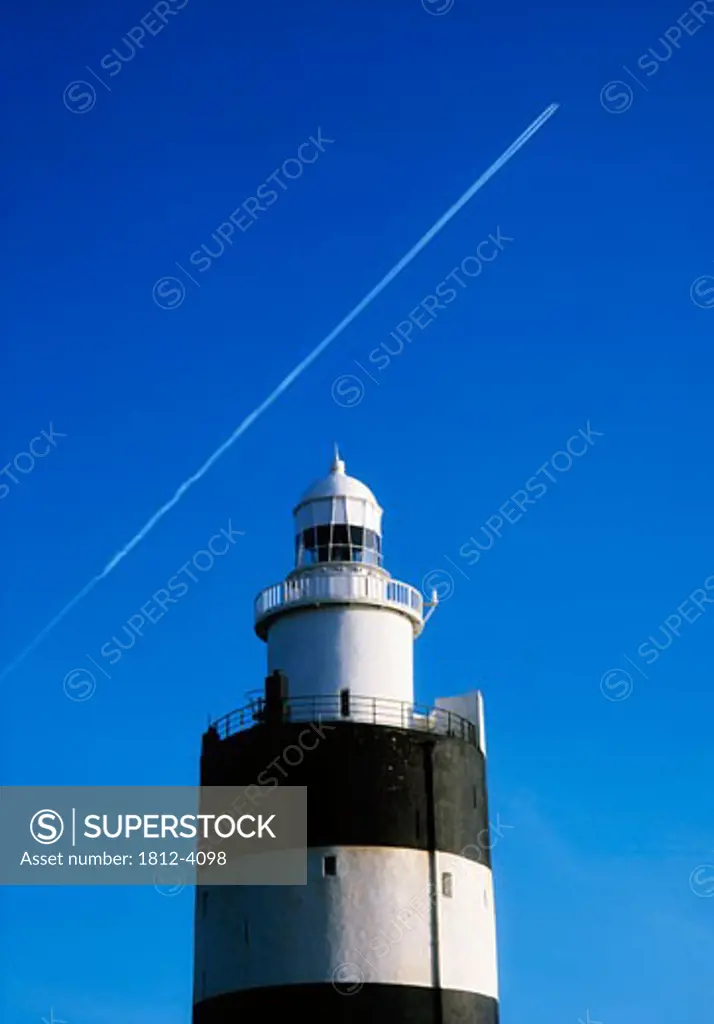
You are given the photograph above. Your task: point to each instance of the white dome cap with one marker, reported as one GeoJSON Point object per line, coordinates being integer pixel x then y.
{"type": "Point", "coordinates": [337, 484]}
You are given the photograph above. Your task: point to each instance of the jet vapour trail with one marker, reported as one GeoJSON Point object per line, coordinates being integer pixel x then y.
{"type": "Point", "coordinates": [292, 376]}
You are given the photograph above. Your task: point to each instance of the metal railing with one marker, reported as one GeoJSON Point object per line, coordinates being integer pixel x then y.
{"type": "Point", "coordinates": [348, 587]}
{"type": "Point", "coordinates": [366, 710]}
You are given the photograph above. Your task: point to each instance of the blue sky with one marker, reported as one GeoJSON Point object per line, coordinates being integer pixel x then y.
{"type": "Point", "coordinates": [589, 315]}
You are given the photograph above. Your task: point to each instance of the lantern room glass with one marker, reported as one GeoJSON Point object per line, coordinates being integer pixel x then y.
{"type": "Point", "coordinates": [337, 542]}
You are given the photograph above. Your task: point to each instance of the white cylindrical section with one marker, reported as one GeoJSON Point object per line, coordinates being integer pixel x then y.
{"type": "Point", "coordinates": [367, 650]}
{"type": "Point", "coordinates": [467, 927]}
{"type": "Point", "coordinates": [383, 917]}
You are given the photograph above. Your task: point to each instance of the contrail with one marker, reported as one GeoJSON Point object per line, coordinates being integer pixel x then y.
{"type": "Point", "coordinates": [292, 376]}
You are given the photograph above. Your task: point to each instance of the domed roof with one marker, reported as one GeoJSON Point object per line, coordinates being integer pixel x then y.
{"type": "Point", "coordinates": [337, 484]}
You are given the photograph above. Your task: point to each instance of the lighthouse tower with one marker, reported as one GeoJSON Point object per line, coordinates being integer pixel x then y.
{"type": "Point", "coordinates": [396, 924]}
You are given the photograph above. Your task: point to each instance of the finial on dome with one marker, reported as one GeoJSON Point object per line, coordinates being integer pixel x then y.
{"type": "Point", "coordinates": [338, 465]}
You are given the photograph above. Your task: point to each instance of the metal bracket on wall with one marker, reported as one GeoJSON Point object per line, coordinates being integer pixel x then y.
{"type": "Point", "coordinates": [431, 605]}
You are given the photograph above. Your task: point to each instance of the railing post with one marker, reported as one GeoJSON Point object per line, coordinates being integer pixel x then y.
{"type": "Point", "coordinates": [448, 723]}
{"type": "Point", "coordinates": [374, 710]}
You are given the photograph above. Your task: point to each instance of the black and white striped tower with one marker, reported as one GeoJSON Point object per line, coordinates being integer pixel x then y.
{"type": "Point", "coordinates": [396, 924]}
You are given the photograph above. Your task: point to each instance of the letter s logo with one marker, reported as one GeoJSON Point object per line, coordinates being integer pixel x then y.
{"type": "Point", "coordinates": [46, 827]}
{"type": "Point", "coordinates": [614, 100]}
{"type": "Point", "coordinates": [79, 100]}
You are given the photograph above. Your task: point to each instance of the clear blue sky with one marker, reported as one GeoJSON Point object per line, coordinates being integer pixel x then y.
{"type": "Point", "coordinates": [585, 316]}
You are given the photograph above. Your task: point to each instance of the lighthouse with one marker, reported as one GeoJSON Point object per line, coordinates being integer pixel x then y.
{"type": "Point", "coordinates": [396, 924]}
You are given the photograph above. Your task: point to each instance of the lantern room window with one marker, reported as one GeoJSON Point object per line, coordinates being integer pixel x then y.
{"type": "Point", "coordinates": [338, 542]}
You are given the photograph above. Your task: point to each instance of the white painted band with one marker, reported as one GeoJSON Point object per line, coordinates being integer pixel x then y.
{"type": "Point", "coordinates": [377, 919]}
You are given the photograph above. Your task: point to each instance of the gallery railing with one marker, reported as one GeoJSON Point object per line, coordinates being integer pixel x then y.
{"type": "Point", "coordinates": [351, 708]}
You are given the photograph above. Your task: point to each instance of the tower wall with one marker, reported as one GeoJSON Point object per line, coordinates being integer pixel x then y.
{"type": "Point", "coordinates": [396, 923]}
{"type": "Point", "coordinates": [323, 650]}
{"type": "Point", "coordinates": [374, 916]}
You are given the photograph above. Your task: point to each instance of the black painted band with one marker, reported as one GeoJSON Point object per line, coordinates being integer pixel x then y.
{"type": "Point", "coordinates": [349, 1003]}
{"type": "Point", "coordinates": [368, 785]}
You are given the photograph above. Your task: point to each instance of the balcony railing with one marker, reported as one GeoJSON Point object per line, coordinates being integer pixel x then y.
{"type": "Point", "coordinates": [343, 588]}
{"type": "Point", "coordinates": [365, 710]}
